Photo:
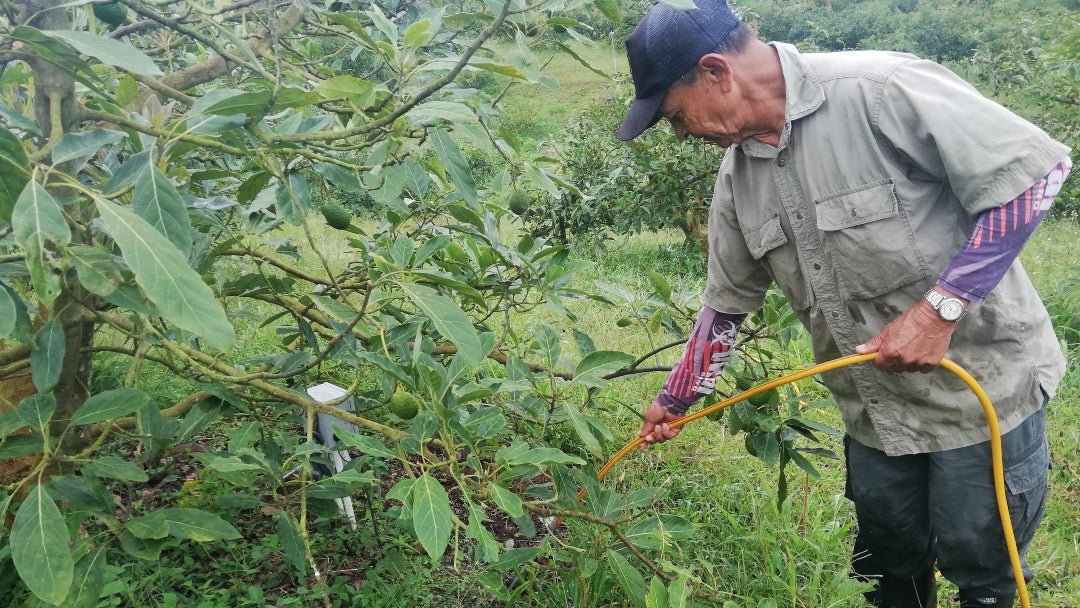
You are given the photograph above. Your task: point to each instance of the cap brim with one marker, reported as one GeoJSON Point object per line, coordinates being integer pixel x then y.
{"type": "Point", "coordinates": [643, 114]}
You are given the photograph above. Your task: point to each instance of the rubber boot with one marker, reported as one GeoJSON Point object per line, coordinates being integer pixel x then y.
{"type": "Point", "coordinates": [970, 599]}
{"type": "Point", "coordinates": [908, 592]}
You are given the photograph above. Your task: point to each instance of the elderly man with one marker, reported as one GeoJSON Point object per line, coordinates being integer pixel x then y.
{"type": "Point", "coordinates": [888, 200]}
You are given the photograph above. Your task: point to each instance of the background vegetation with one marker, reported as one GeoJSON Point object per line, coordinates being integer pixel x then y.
{"type": "Point", "coordinates": [170, 287]}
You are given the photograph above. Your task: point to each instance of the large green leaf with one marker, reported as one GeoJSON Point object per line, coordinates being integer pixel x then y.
{"type": "Point", "coordinates": [109, 405]}
{"type": "Point", "coordinates": [597, 363]}
{"type": "Point", "coordinates": [580, 421]}
{"type": "Point", "coordinates": [163, 273]}
{"type": "Point", "coordinates": [367, 445]}
{"type": "Point", "coordinates": [39, 547]}
{"type": "Point", "coordinates": [454, 162]}
{"type": "Point", "coordinates": [14, 172]}
{"type": "Point", "coordinates": [610, 9]}
{"type": "Point", "coordinates": [39, 226]}
{"type": "Point", "coordinates": [679, 592]}
{"type": "Point", "coordinates": [83, 143]}
{"type": "Point", "coordinates": [194, 524]}
{"type": "Point", "coordinates": [8, 312]}
{"type": "Point", "coordinates": [114, 467]}
{"type": "Point", "coordinates": [96, 269]}
{"type": "Point", "coordinates": [432, 518]}
{"type": "Point", "coordinates": [47, 358]}
{"type": "Point", "coordinates": [630, 580]}
{"type": "Point", "coordinates": [157, 201]}
{"type": "Point", "coordinates": [449, 319]}
{"type": "Point", "coordinates": [506, 500]}
{"type": "Point", "coordinates": [37, 410]}
{"type": "Point", "coordinates": [293, 198]}
{"type": "Point", "coordinates": [291, 543]}
{"type": "Point", "coordinates": [658, 594]}
{"type": "Point", "coordinates": [89, 580]}
{"type": "Point", "coordinates": [659, 531]}
{"type": "Point", "coordinates": [108, 51]}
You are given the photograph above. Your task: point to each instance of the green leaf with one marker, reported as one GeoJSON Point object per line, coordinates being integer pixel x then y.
{"type": "Point", "coordinates": [109, 405]}
{"type": "Point", "coordinates": [658, 595]}
{"type": "Point", "coordinates": [600, 362]}
{"type": "Point", "coordinates": [114, 467]}
{"type": "Point", "coordinates": [37, 410]}
{"type": "Point", "coordinates": [291, 543]}
{"type": "Point", "coordinates": [293, 198]}
{"type": "Point", "coordinates": [8, 312]}
{"type": "Point", "coordinates": [579, 420]}
{"type": "Point", "coordinates": [39, 226]}
{"type": "Point", "coordinates": [610, 9]}
{"type": "Point", "coordinates": [197, 525]}
{"type": "Point", "coordinates": [501, 69]}
{"type": "Point", "coordinates": [108, 51]}
{"type": "Point", "coordinates": [21, 445]}
{"type": "Point", "coordinates": [541, 457]}
{"type": "Point", "coordinates": [418, 34]}
{"type": "Point", "coordinates": [434, 111]}
{"type": "Point", "coordinates": [487, 546]}
{"type": "Point", "coordinates": [241, 102]}
{"type": "Point", "coordinates": [803, 463]}
{"type": "Point", "coordinates": [455, 164]}
{"type": "Point", "coordinates": [97, 270]}
{"type": "Point", "coordinates": [151, 526]}
{"type": "Point", "coordinates": [142, 548]}
{"type": "Point", "coordinates": [164, 274]}
{"type": "Point", "coordinates": [39, 547]}
{"type": "Point", "coordinates": [449, 319]}
{"type": "Point", "coordinates": [83, 143]}
{"type": "Point", "coordinates": [14, 172]}
{"type": "Point", "coordinates": [88, 582]}
{"type": "Point", "coordinates": [506, 500]}
{"type": "Point", "coordinates": [540, 179]}
{"type": "Point", "coordinates": [367, 445]}
{"type": "Point", "coordinates": [157, 201]}
{"type": "Point", "coordinates": [432, 518]}
{"type": "Point", "coordinates": [630, 580]}
{"type": "Point", "coordinates": [679, 592]}
{"type": "Point", "coordinates": [47, 358]}
{"type": "Point", "coordinates": [660, 285]}
{"type": "Point", "coordinates": [659, 531]}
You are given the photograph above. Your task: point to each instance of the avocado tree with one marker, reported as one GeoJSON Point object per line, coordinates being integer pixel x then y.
{"type": "Point", "coordinates": [159, 168]}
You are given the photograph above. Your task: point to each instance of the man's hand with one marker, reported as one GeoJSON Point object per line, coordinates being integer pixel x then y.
{"type": "Point", "coordinates": [915, 341]}
{"type": "Point", "coordinates": [655, 429]}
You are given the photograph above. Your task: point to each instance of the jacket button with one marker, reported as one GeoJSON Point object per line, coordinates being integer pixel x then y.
{"type": "Point", "coordinates": [817, 266]}
{"type": "Point", "coordinates": [798, 216]}
{"type": "Point", "coordinates": [780, 161]}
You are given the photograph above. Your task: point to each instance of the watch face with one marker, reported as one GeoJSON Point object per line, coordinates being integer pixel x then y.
{"type": "Point", "coordinates": [951, 309]}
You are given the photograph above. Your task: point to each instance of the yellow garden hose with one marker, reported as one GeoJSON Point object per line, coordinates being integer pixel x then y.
{"type": "Point", "coordinates": [988, 409]}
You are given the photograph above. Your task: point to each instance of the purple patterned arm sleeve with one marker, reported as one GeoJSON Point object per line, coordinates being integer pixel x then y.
{"type": "Point", "coordinates": [707, 351]}
{"type": "Point", "coordinates": [998, 237]}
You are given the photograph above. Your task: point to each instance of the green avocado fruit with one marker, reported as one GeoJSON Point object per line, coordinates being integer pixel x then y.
{"type": "Point", "coordinates": [519, 202]}
{"type": "Point", "coordinates": [336, 216]}
{"type": "Point", "coordinates": [404, 405]}
{"type": "Point", "coordinates": [112, 14]}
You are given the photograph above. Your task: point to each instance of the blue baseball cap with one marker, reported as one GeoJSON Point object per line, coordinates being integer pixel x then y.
{"type": "Point", "coordinates": [665, 45]}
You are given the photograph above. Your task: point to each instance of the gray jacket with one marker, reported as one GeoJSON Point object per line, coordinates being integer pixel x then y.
{"type": "Point", "coordinates": [883, 164]}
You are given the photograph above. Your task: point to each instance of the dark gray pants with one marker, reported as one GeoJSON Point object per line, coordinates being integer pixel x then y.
{"type": "Point", "coordinates": [940, 507]}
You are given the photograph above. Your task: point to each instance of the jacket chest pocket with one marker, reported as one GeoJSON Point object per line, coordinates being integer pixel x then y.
{"type": "Point", "coordinates": [868, 240]}
{"type": "Point", "coordinates": [768, 244]}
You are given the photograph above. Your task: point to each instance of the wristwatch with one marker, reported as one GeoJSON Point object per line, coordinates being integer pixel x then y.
{"type": "Point", "coordinates": [949, 309]}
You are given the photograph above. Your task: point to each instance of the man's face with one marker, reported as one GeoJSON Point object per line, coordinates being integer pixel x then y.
{"type": "Point", "coordinates": [700, 110]}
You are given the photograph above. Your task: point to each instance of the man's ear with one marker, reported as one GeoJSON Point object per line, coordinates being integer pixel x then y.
{"type": "Point", "coordinates": [717, 68]}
